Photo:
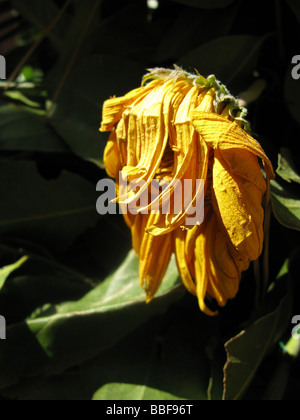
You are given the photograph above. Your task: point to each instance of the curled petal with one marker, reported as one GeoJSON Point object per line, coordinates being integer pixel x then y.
{"type": "Point", "coordinates": [221, 133]}
{"type": "Point", "coordinates": [138, 231]}
{"type": "Point", "coordinates": [179, 192]}
{"type": "Point", "coordinates": [113, 108]}
{"type": "Point", "coordinates": [181, 259]}
{"type": "Point", "coordinates": [190, 162]}
{"type": "Point", "coordinates": [218, 265]}
{"type": "Point", "coordinates": [237, 200]}
{"type": "Point", "coordinates": [155, 255]}
{"type": "Point", "coordinates": [149, 135]}
{"type": "Point", "coordinates": [112, 158]}
{"type": "Point", "coordinates": [202, 271]}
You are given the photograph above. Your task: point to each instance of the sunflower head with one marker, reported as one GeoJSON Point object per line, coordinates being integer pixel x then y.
{"type": "Point", "coordinates": [174, 131]}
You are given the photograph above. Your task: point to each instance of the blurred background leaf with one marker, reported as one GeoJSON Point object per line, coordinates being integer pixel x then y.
{"type": "Point", "coordinates": [249, 348]}
{"type": "Point", "coordinates": [6, 271]}
{"type": "Point", "coordinates": [286, 166]}
{"type": "Point", "coordinates": [24, 130]}
{"type": "Point", "coordinates": [77, 113]}
{"type": "Point", "coordinates": [286, 206]}
{"type": "Point", "coordinates": [285, 195]}
{"type": "Point", "coordinates": [51, 212]}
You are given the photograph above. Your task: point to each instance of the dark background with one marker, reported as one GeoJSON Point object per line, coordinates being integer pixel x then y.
{"type": "Point", "coordinates": [51, 159]}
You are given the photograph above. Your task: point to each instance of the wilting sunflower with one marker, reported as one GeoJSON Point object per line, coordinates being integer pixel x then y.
{"type": "Point", "coordinates": [179, 127]}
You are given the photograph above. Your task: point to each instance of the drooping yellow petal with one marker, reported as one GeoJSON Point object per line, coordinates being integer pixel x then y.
{"type": "Point", "coordinates": [202, 271]}
{"type": "Point", "coordinates": [226, 265]}
{"type": "Point", "coordinates": [155, 255]}
{"type": "Point", "coordinates": [190, 162]}
{"type": "Point", "coordinates": [113, 108]}
{"type": "Point", "coordinates": [218, 266]}
{"type": "Point", "coordinates": [190, 243]}
{"type": "Point", "coordinates": [179, 197]}
{"type": "Point", "coordinates": [112, 159]}
{"type": "Point", "coordinates": [148, 129]}
{"type": "Point", "coordinates": [183, 125]}
{"type": "Point", "coordinates": [138, 231]}
{"type": "Point", "coordinates": [221, 133]}
{"type": "Point", "coordinates": [238, 200]}
{"type": "Point", "coordinates": [205, 103]}
{"type": "Point", "coordinates": [181, 259]}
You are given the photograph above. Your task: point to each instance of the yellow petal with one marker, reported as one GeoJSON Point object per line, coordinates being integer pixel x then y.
{"type": "Point", "coordinates": [155, 255]}
{"type": "Point", "coordinates": [220, 133]}
{"type": "Point", "coordinates": [218, 265]}
{"type": "Point", "coordinates": [225, 265]}
{"type": "Point", "coordinates": [237, 200]}
{"type": "Point", "coordinates": [146, 133]}
{"type": "Point", "coordinates": [181, 259]}
{"type": "Point", "coordinates": [190, 163]}
{"type": "Point", "coordinates": [129, 219]}
{"type": "Point", "coordinates": [185, 200]}
{"type": "Point", "coordinates": [112, 160]}
{"type": "Point", "coordinates": [149, 134]}
{"type": "Point", "coordinates": [206, 104]}
{"type": "Point", "coordinates": [202, 272]}
{"type": "Point", "coordinates": [138, 231]}
{"type": "Point", "coordinates": [113, 108]}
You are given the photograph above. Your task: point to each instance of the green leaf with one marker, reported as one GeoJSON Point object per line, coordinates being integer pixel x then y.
{"type": "Point", "coordinates": [286, 205]}
{"type": "Point", "coordinates": [247, 350]}
{"type": "Point", "coordinates": [232, 59]}
{"type": "Point", "coordinates": [206, 4]}
{"type": "Point", "coordinates": [19, 96]}
{"type": "Point", "coordinates": [5, 272]}
{"type": "Point", "coordinates": [30, 74]}
{"type": "Point", "coordinates": [77, 114]}
{"type": "Point", "coordinates": [143, 366]}
{"type": "Point", "coordinates": [286, 197]}
{"type": "Point", "coordinates": [153, 367]}
{"type": "Point", "coordinates": [286, 167]}
{"type": "Point", "coordinates": [52, 213]}
{"type": "Point", "coordinates": [162, 359]}
{"type": "Point", "coordinates": [292, 347]}
{"type": "Point", "coordinates": [23, 130]}
{"type": "Point", "coordinates": [58, 337]}
{"type": "Point", "coordinates": [41, 281]}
